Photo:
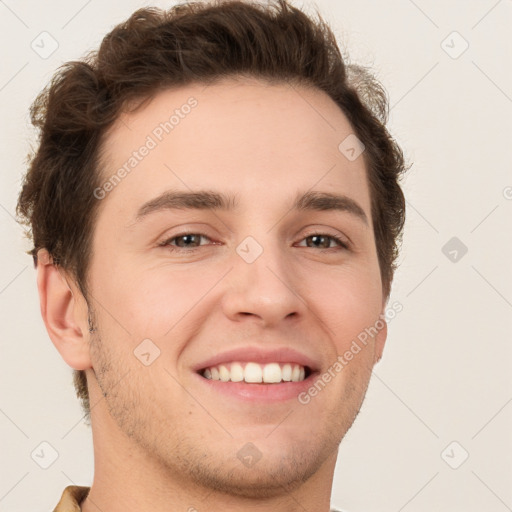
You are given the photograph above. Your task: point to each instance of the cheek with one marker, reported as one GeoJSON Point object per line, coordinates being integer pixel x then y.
{"type": "Point", "coordinates": [348, 303]}
{"type": "Point", "coordinates": [149, 303]}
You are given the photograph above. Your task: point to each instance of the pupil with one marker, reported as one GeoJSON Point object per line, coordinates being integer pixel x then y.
{"type": "Point", "coordinates": [317, 237]}
{"type": "Point", "coordinates": [187, 238]}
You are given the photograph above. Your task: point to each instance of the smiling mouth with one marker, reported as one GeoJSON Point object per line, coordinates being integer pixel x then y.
{"type": "Point", "coordinates": [255, 373]}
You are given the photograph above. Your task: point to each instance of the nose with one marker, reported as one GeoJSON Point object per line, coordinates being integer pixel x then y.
{"type": "Point", "coordinates": [264, 290]}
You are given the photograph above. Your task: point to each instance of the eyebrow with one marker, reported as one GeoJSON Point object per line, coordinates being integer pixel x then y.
{"type": "Point", "coordinates": [211, 200]}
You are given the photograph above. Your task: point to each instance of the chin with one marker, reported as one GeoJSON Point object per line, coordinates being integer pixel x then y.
{"type": "Point", "coordinates": [259, 468]}
{"type": "Point", "coordinates": [264, 479]}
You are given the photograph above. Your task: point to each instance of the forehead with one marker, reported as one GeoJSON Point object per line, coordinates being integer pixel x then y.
{"type": "Point", "coordinates": [261, 142]}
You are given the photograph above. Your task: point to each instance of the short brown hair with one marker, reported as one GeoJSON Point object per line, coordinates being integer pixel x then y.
{"type": "Point", "coordinates": [196, 42]}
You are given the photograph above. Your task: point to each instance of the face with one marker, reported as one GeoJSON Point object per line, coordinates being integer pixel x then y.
{"type": "Point", "coordinates": [195, 295]}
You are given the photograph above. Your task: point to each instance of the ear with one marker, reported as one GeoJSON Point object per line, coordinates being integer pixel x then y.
{"type": "Point", "coordinates": [380, 338]}
{"type": "Point", "coordinates": [64, 312]}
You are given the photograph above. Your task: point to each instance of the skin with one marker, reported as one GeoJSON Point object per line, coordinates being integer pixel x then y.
{"type": "Point", "coordinates": [162, 440]}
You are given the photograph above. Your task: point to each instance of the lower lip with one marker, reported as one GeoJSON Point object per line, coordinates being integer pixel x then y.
{"type": "Point", "coordinates": [264, 393]}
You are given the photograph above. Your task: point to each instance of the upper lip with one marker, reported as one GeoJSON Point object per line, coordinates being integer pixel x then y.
{"type": "Point", "coordinates": [259, 355]}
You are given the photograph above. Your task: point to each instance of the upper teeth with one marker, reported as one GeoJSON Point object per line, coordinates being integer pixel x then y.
{"type": "Point", "coordinates": [254, 372]}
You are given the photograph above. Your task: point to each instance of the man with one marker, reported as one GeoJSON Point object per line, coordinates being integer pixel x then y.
{"type": "Point", "coordinates": [216, 216]}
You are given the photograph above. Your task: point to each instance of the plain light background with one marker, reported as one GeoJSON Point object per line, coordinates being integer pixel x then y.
{"type": "Point", "coordinates": [443, 389]}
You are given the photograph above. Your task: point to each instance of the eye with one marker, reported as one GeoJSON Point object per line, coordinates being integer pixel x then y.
{"type": "Point", "coordinates": [189, 241]}
{"type": "Point", "coordinates": [323, 241]}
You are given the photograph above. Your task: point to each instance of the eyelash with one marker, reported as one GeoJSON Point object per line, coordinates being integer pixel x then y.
{"type": "Point", "coordinates": [167, 243]}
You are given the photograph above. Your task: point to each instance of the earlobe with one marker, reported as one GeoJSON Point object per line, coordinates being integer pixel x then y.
{"type": "Point", "coordinates": [63, 312]}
